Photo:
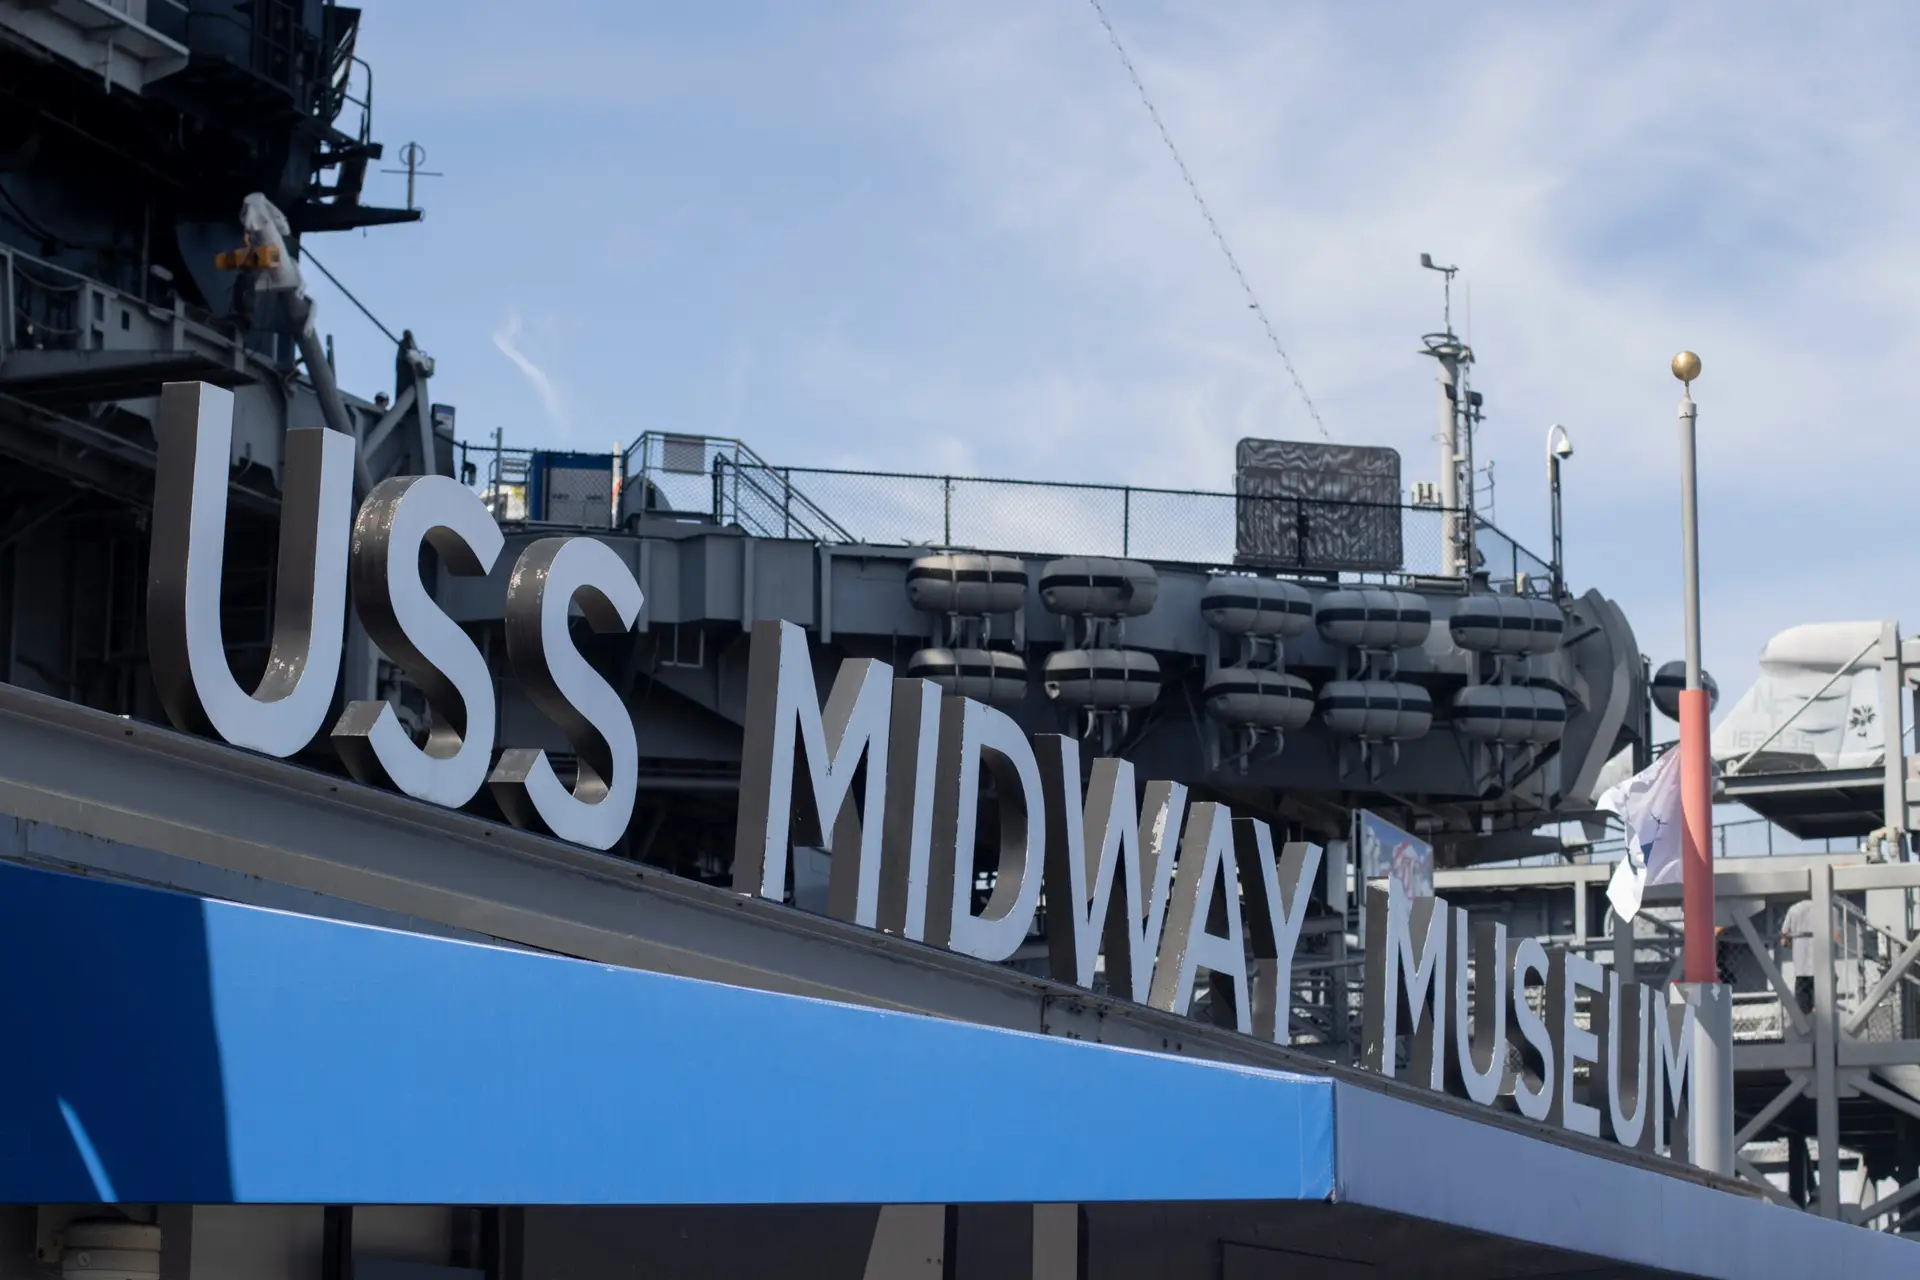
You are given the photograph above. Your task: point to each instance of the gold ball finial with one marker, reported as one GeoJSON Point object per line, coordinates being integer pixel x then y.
{"type": "Point", "coordinates": [1686, 366]}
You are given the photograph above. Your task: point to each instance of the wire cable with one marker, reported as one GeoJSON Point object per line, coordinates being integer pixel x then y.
{"type": "Point", "coordinates": [27, 221]}
{"type": "Point", "coordinates": [1253, 301]}
{"type": "Point", "coordinates": [306, 255]}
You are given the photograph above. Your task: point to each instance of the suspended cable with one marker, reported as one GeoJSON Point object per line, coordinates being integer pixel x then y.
{"type": "Point", "coordinates": [1253, 301]}
{"type": "Point", "coordinates": [27, 221]}
{"type": "Point", "coordinates": [306, 255]}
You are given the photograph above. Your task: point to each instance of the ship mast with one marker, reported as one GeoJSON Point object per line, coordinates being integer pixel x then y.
{"type": "Point", "coordinates": [1458, 412]}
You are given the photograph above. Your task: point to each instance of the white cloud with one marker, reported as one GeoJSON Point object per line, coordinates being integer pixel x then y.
{"type": "Point", "coordinates": [506, 339]}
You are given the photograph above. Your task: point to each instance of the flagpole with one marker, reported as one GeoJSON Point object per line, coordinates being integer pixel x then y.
{"type": "Point", "coordinates": [1696, 775]}
{"type": "Point", "coordinates": [1713, 1048]}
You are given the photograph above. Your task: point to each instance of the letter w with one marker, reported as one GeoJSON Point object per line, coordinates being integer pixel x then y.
{"type": "Point", "coordinates": [1087, 848]}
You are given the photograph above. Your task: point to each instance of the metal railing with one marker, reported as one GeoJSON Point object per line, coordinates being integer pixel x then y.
{"type": "Point", "coordinates": [1180, 525]}
{"type": "Point", "coordinates": [720, 479]}
{"type": "Point", "coordinates": [1506, 563]}
{"type": "Point", "coordinates": [666, 474]}
{"type": "Point", "coordinates": [1732, 838]}
{"type": "Point", "coordinates": [46, 305]}
{"type": "Point", "coordinates": [1035, 517]}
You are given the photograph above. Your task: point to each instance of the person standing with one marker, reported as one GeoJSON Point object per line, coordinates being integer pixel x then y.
{"type": "Point", "coordinates": [1797, 929]}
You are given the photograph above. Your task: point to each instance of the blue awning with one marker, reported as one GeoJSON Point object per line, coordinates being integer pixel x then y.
{"type": "Point", "coordinates": [168, 1048]}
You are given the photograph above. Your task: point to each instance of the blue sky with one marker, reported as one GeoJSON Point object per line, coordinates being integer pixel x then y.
{"type": "Point", "coordinates": [940, 237]}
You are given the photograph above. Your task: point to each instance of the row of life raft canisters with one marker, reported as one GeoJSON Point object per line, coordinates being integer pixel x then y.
{"type": "Point", "coordinates": [1093, 677]}
{"type": "Point", "coordinates": [1110, 677]}
{"type": "Point", "coordinates": [1378, 620]}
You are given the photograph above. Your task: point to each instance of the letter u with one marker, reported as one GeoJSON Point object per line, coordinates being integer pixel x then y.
{"type": "Point", "coordinates": [190, 669]}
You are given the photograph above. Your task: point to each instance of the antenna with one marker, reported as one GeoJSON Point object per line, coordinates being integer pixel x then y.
{"type": "Point", "coordinates": [414, 156]}
{"type": "Point", "coordinates": [1426, 260]}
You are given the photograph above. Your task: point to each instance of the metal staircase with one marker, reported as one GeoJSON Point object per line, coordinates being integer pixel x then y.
{"type": "Point", "coordinates": [665, 472]}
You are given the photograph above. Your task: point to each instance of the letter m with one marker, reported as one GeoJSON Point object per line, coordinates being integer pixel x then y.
{"type": "Point", "coordinates": [1406, 972]}
{"type": "Point", "coordinates": [784, 717]}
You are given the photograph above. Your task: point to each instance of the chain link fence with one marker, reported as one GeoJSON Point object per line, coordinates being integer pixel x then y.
{"type": "Point", "coordinates": [1506, 562]}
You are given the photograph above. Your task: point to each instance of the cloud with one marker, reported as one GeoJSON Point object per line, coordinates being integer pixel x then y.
{"type": "Point", "coordinates": [506, 339]}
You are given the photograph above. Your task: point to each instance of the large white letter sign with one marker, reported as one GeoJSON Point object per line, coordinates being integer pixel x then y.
{"type": "Point", "coordinates": [1088, 848]}
{"type": "Point", "coordinates": [973, 737]}
{"type": "Point", "coordinates": [1622, 1024]}
{"type": "Point", "coordinates": [1533, 1086]}
{"type": "Point", "coordinates": [783, 712]}
{"type": "Point", "coordinates": [1279, 908]}
{"type": "Point", "coordinates": [1568, 974]}
{"type": "Point", "coordinates": [1480, 1026]}
{"type": "Point", "coordinates": [906, 845]}
{"type": "Point", "coordinates": [196, 686]}
{"type": "Point", "coordinates": [550, 577]}
{"type": "Point", "coordinates": [402, 619]}
{"type": "Point", "coordinates": [1406, 969]}
{"type": "Point", "coordinates": [1206, 857]}
{"type": "Point", "coordinates": [1674, 1081]}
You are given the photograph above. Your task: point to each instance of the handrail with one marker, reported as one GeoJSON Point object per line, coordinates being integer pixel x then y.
{"type": "Point", "coordinates": [784, 498]}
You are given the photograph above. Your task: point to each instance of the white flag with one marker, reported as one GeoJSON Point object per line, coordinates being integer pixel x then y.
{"type": "Point", "coordinates": [1649, 807]}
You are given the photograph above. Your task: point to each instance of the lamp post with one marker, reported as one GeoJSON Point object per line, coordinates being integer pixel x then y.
{"type": "Point", "coordinates": [1713, 1040]}
{"type": "Point", "coordinates": [1559, 449]}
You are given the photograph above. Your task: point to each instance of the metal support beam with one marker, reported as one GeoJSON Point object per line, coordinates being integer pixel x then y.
{"type": "Point", "coordinates": [1892, 1200]}
{"type": "Point", "coordinates": [1879, 1053]}
{"type": "Point", "coordinates": [1888, 981]}
{"type": "Point", "coordinates": [1778, 981]}
{"type": "Point", "coordinates": [380, 430]}
{"type": "Point", "coordinates": [1624, 961]}
{"type": "Point", "coordinates": [1746, 1170]}
{"type": "Point", "coordinates": [1766, 1115]}
{"type": "Point", "coordinates": [1825, 1068]}
{"type": "Point", "coordinates": [1893, 734]}
{"type": "Point", "coordinates": [1897, 1099]}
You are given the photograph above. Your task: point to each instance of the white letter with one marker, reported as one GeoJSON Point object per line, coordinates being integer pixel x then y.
{"type": "Point", "coordinates": [1482, 950]}
{"type": "Point", "coordinates": [1568, 974]}
{"type": "Point", "coordinates": [780, 697]}
{"type": "Point", "coordinates": [1674, 1081]}
{"type": "Point", "coordinates": [1081, 909]}
{"type": "Point", "coordinates": [1622, 1024]}
{"type": "Point", "coordinates": [972, 735]}
{"type": "Point", "coordinates": [550, 576]}
{"type": "Point", "coordinates": [402, 619]}
{"type": "Point", "coordinates": [1395, 928]}
{"type": "Point", "coordinates": [906, 843]}
{"type": "Point", "coordinates": [190, 671]}
{"type": "Point", "coordinates": [1279, 909]}
{"type": "Point", "coordinates": [1527, 1032]}
{"type": "Point", "coordinates": [1206, 855]}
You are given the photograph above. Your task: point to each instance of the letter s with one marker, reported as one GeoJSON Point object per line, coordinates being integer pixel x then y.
{"type": "Point", "coordinates": [402, 618]}
{"type": "Point", "coordinates": [549, 577]}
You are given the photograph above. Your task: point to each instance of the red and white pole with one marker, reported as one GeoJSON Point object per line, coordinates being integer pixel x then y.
{"type": "Point", "coordinates": [1696, 771]}
{"type": "Point", "coordinates": [1712, 1122]}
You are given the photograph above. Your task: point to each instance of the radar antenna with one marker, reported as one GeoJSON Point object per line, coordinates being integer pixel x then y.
{"type": "Point", "coordinates": [414, 156]}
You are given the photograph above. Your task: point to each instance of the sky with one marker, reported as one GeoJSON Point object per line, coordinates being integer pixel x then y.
{"type": "Point", "coordinates": [947, 238]}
